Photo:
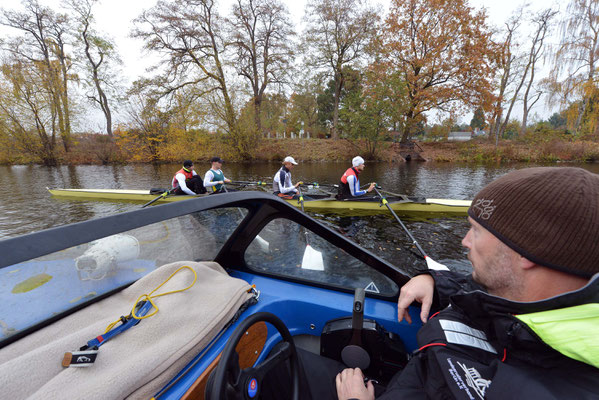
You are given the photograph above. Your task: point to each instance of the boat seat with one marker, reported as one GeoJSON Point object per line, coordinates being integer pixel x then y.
{"type": "Point", "coordinates": [138, 362]}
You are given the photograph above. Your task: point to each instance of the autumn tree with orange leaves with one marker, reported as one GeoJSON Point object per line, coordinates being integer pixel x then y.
{"type": "Point", "coordinates": [443, 51]}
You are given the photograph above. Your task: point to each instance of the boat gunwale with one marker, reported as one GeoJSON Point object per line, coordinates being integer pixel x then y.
{"type": "Point", "coordinates": [448, 205]}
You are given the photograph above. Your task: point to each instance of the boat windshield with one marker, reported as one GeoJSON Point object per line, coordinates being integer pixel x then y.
{"type": "Point", "coordinates": [34, 291]}
{"type": "Point", "coordinates": [285, 248]}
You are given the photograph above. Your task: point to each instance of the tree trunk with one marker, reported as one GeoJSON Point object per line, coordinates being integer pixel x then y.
{"type": "Point", "coordinates": [524, 118]}
{"type": "Point", "coordinates": [257, 107]}
{"type": "Point", "coordinates": [64, 96]}
{"type": "Point", "coordinates": [581, 110]}
{"type": "Point", "coordinates": [103, 100]}
{"type": "Point", "coordinates": [407, 128]}
{"type": "Point", "coordinates": [338, 86]}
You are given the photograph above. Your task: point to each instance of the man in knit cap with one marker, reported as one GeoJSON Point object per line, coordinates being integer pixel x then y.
{"type": "Point", "coordinates": [524, 325]}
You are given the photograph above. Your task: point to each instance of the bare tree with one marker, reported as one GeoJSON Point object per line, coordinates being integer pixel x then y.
{"type": "Point", "coordinates": [188, 34]}
{"type": "Point", "coordinates": [336, 34]}
{"type": "Point", "coordinates": [576, 56]}
{"type": "Point", "coordinates": [514, 72]}
{"type": "Point", "coordinates": [505, 63]}
{"type": "Point", "coordinates": [98, 55]}
{"type": "Point", "coordinates": [262, 34]}
{"type": "Point", "coordinates": [26, 108]}
{"type": "Point", "coordinates": [537, 47]}
{"type": "Point", "coordinates": [190, 38]}
{"type": "Point", "coordinates": [43, 43]}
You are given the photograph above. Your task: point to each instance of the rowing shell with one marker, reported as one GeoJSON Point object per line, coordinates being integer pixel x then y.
{"type": "Point", "coordinates": [406, 205]}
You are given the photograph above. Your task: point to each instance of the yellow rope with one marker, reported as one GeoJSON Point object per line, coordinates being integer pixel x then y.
{"type": "Point", "coordinates": [150, 296]}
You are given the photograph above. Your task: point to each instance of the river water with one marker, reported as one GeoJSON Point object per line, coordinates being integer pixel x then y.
{"type": "Point", "coordinates": [26, 206]}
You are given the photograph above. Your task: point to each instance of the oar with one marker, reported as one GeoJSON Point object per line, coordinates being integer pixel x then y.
{"type": "Point", "coordinates": [264, 245]}
{"type": "Point", "coordinates": [159, 197]}
{"type": "Point", "coordinates": [432, 264]}
{"type": "Point", "coordinates": [259, 183]}
{"type": "Point", "coordinates": [312, 258]}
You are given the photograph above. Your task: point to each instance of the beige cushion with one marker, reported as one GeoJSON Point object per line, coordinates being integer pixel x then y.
{"type": "Point", "coordinates": [134, 364]}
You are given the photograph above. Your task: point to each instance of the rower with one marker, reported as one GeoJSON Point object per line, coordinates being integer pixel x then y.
{"type": "Point", "coordinates": [214, 179]}
{"type": "Point", "coordinates": [187, 181]}
{"type": "Point", "coordinates": [282, 185]}
{"type": "Point", "coordinates": [350, 183]}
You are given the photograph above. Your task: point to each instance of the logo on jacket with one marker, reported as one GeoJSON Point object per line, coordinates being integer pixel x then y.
{"type": "Point", "coordinates": [475, 380]}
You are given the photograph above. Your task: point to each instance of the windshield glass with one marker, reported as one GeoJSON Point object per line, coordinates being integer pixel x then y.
{"type": "Point", "coordinates": [33, 291]}
{"type": "Point", "coordinates": [286, 248]}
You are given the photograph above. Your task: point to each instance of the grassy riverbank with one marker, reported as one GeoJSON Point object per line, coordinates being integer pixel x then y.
{"type": "Point", "coordinates": [95, 149]}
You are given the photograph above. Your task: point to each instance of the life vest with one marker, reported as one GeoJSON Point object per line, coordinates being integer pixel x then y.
{"type": "Point", "coordinates": [188, 175]}
{"type": "Point", "coordinates": [283, 174]}
{"type": "Point", "coordinates": [343, 192]}
{"type": "Point", "coordinates": [218, 176]}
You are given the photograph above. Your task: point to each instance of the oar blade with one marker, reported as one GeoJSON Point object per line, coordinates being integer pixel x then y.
{"type": "Point", "coordinates": [432, 264]}
{"type": "Point", "coordinates": [312, 259]}
{"type": "Point", "coordinates": [264, 245]}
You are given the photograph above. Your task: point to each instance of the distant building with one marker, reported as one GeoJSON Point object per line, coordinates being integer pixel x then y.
{"type": "Point", "coordinates": [459, 136]}
{"type": "Point", "coordinates": [479, 132]}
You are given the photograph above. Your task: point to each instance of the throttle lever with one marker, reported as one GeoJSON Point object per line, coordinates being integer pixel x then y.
{"type": "Point", "coordinates": [354, 355]}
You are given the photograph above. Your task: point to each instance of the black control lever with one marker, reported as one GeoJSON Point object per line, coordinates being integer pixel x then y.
{"type": "Point", "coordinates": [357, 320]}
{"type": "Point", "coordinates": [354, 355]}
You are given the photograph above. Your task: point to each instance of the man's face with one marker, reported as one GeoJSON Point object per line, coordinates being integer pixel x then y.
{"type": "Point", "coordinates": [492, 261]}
{"type": "Point", "coordinates": [360, 167]}
{"type": "Point", "coordinates": [217, 165]}
{"type": "Point", "coordinates": [288, 165]}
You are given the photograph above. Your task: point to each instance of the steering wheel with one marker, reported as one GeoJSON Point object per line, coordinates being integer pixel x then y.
{"type": "Point", "coordinates": [229, 381]}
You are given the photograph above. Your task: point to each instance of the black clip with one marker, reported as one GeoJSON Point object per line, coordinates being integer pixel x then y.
{"type": "Point", "coordinates": [84, 358]}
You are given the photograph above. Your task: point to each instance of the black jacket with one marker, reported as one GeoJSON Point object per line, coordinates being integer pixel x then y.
{"type": "Point", "coordinates": [477, 348]}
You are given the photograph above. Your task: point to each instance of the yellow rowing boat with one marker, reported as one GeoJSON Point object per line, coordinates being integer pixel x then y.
{"type": "Point", "coordinates": [403, 204]}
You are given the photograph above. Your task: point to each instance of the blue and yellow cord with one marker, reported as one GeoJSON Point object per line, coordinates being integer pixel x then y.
{"type": "Point", "coordinates": [150, 296]}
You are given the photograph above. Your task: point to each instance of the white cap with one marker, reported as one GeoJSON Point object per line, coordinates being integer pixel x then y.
{"type": "Point", "coordinates": [357, 161]}
{"type": "Point", "coordinates": [289, 159]}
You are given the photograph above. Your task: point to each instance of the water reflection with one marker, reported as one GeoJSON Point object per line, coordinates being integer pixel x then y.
{"type": "Point", "coordinates": [26, 206]}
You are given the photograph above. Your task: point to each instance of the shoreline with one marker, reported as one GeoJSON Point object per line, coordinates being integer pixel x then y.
{"type": "Point", "coordinates": [92, 152]}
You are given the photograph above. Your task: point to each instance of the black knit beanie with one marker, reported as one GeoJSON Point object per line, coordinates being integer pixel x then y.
{"type": "Point", "coordinates": [548, 215]}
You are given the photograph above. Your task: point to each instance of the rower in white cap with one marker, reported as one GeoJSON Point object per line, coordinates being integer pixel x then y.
{"type": "Point", "coordinates": [282, 185]}
{"type": "Point", "coordinates": [350, 183]}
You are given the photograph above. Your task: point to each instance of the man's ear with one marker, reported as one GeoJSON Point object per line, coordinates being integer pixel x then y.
{"type": "Point", "coordinates": [525, 263]}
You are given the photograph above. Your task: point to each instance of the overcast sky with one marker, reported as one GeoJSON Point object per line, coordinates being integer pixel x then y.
{"type": "Point", "coordinates": [114, 18]}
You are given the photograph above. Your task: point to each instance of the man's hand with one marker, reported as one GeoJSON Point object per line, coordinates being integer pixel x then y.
{"type": "Point", "coordinates": [350, 385]}
{"type": "Point", "coordinates": [221, 182]}
{"type": "Point", "coordinates": [371, 188]}
{"type": "Point", "coordinates": [227, 180]}
{"type": "Point", "coordinates": [420, 288]}
{"type": "Point", "coordinates": [299, 183]}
